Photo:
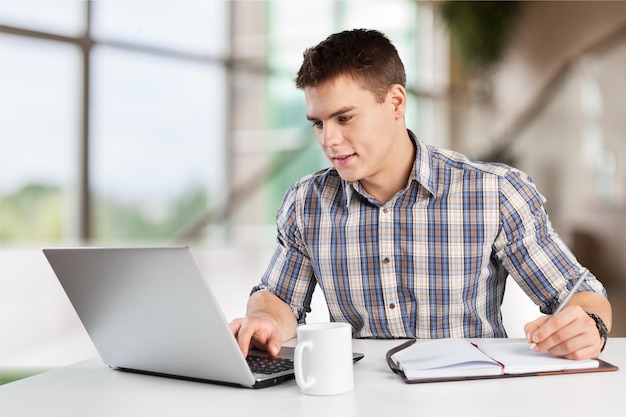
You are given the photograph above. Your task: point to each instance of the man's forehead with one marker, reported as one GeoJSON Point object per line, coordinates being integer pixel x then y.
{"type": "Point", "coordinates": [340, 81]}
{"type": "Point", "coordinates": [333, 95]}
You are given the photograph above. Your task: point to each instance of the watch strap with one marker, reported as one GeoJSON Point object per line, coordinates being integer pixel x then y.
{"type": "Point", "coordinates": [602, 329]}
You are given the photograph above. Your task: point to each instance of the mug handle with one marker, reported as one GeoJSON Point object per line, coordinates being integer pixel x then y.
{"type": "Point", "coordinates": [297, 361]}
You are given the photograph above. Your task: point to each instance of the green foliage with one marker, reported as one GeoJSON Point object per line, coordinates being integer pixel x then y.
{"type": "Point", "coordinates": [481, 29]}
{"type": "Point", "coordinates": [115, 220]}
{"type": "Point", "coordinates": [34, 213]}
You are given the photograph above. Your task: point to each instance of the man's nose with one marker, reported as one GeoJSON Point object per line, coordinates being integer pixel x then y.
{"type": "Point", "coordinates": [330, 136]}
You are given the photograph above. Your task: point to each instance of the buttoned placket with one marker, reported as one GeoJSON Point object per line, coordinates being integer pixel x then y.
{"type": "Point", "coordinates": [393, 311]}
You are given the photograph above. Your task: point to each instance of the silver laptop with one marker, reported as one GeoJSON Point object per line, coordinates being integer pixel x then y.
{"type": "Point", "coordinates": [150, 310]}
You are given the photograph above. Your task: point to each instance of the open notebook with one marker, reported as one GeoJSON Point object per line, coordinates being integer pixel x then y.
{"type": "Point", "coordinates": [458, 359]}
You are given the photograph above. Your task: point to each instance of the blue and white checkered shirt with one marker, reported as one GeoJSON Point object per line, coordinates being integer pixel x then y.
{"type": "Point", "coordinates": [430, 263]}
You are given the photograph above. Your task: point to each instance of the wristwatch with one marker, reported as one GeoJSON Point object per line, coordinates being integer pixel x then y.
{"type": "Point", "coordinates": [604, 332]}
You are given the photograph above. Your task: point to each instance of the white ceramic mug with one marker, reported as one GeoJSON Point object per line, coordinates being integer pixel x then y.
{"type": "Point", "coordinates": [323, 359]}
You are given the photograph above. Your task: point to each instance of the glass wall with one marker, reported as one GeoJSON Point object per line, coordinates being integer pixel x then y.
{"type": "Point", "coordinates": [124, 100]}
{"type": "Point", "coordinates": [39, 133]}
{"type": "Point", "coordinates": [161, 121]}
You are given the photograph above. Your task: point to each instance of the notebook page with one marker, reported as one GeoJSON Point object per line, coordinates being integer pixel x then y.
{"type": "Point", "coordinates": [519, 359]}
{"type": "Point", "coordinates": [444, 358]}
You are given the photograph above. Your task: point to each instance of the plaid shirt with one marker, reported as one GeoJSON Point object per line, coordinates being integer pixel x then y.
{"type": "Point", "coordinates": [430, 263]}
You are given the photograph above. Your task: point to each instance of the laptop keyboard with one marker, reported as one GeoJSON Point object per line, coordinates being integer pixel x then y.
{"type": "Point", "coordinates": [268, 365]}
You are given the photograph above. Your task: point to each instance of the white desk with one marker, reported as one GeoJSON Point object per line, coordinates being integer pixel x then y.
{"type": "Point", "coordinates": [91, 389]}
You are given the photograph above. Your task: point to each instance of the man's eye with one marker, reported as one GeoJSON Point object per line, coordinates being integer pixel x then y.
{"type": "Point", "coordinates": [317, 125]}
{"type": "Point", "coordinates": [344, 119]}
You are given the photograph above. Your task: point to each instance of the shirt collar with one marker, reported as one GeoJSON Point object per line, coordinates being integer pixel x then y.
{"type": "Point", "coordinates": [422, 167]}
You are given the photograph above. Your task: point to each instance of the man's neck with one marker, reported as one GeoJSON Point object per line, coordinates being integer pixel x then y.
{"type": "Point", "coordinates": [397, 175]}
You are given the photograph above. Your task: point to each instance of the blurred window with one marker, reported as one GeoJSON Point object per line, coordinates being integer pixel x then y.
{"type": "Point", "coordinates": [63, 17]}
{"type": "Point", "coordinates": [157, 117]}
{"type": "Point", "coordinates": [194, 126]}
{"type": "Point", "coordinates": [157, 142]}
{"type": "Point", "coordinates": [183, 25]}
{"type": "Point", "coordinates": [39, 137]}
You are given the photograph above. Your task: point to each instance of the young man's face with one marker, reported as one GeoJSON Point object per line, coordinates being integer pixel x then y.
{"type": "Point", "coordinates": [357, 133]}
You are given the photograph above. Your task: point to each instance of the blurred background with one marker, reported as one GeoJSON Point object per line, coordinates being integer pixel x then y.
{"type": "Point", "coordinates": [177, 122]}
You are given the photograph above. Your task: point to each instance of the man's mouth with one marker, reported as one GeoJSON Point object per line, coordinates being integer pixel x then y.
{"type": "Point", "coordinates": [343, 159]}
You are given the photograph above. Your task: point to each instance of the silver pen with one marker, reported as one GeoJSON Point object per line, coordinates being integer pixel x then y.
{"type": "Point", "coordinates": [571, 293]}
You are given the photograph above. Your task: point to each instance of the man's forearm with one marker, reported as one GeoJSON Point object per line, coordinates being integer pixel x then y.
{"type": "Point", "coordinates": [266, 305]}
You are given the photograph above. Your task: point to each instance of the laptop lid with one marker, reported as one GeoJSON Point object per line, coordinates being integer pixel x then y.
{"type": "Point", "coordinates": [150, 310]}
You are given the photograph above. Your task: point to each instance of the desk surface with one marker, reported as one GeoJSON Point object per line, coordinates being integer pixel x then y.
{"type": "Point", "coordinates": [91, 389]}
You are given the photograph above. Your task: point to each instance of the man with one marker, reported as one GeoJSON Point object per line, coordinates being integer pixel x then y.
{"type": "Point", "coordinates": [407, 240]}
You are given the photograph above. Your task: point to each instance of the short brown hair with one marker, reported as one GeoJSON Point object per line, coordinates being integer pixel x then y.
{"type": "Point", "coordinates": [365, 55]}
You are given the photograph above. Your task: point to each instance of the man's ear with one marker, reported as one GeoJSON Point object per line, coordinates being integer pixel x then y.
{"type": "Point", "coordinates": [397, 99]}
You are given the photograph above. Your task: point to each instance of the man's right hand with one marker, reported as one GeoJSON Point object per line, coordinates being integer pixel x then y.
{"type": "Point", "coordinates": [267, 324]}
{"type": "Point", "coordinates": [256, 332]}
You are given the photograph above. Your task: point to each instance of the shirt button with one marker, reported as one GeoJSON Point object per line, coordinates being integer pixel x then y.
{"type": "Point", "coordinates": [386, 210]}
{"type": "Point", "coordinates": [392, 306]}
{"type": "Point", "coordinates": [386, 260]}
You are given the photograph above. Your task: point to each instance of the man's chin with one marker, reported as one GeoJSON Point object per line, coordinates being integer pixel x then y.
{"type": "Point", "coordinates": [348, 176]}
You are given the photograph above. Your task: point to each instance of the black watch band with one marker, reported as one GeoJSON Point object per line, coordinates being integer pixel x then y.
{"type": "Point", "coordinates": [604, 332]}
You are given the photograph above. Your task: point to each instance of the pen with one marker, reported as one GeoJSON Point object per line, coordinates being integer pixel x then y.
{"type": "Point", "coordinates": [569, 296]}
{"type": "Point", "coordinates": [565, 301]}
